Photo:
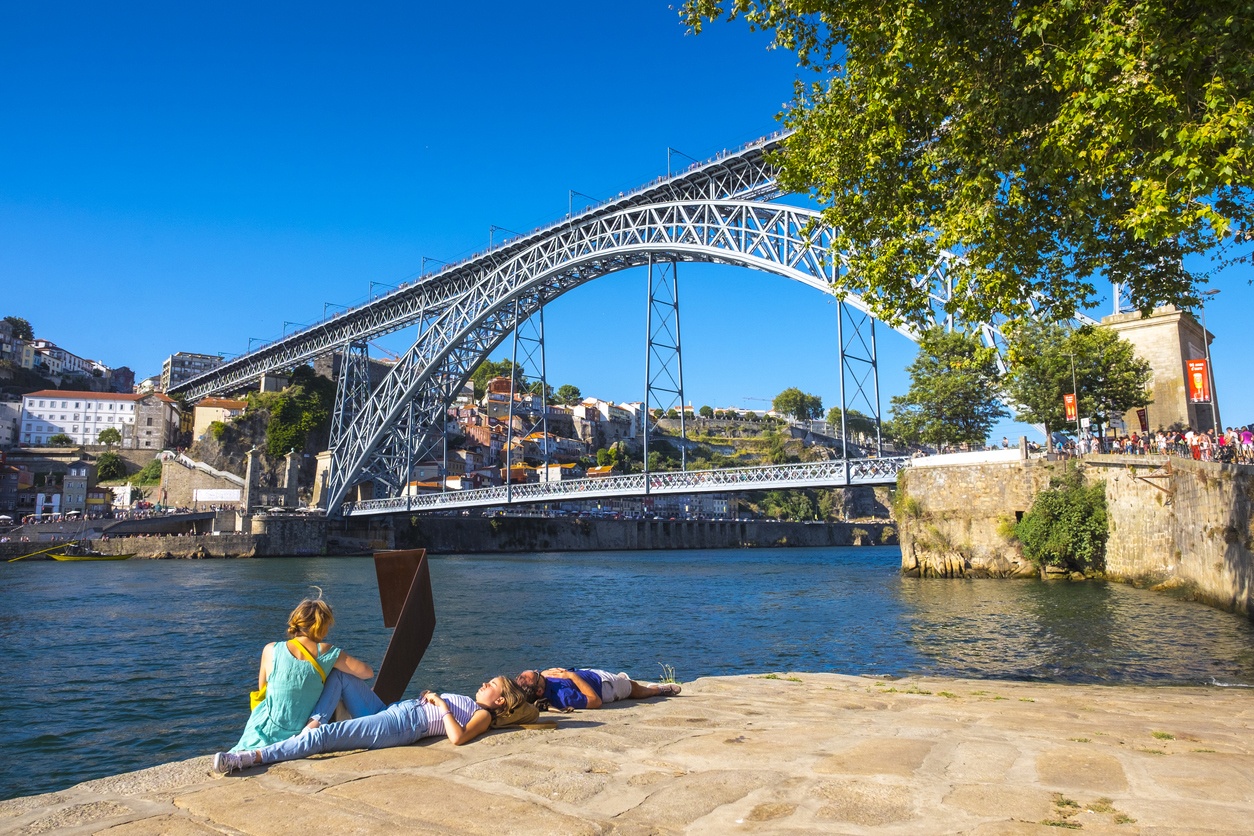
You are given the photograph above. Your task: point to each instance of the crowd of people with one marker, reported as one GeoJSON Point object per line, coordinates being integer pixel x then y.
{"type": "Point", "coordinates": [1233, 445]}
{"type": "Point", "coordinates": [303, 681]}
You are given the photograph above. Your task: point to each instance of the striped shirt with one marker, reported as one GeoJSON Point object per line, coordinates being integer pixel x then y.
{"type": "Point", "coordinates": [461, 706]}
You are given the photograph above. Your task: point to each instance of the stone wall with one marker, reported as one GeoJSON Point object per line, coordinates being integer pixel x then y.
{"type": "Point", "coordinates": [181, 477]}
{"type": "Point", "coordinates": [1174, 523]}
{"type": "Point", "coordinates": [1181, 524]}
{"type": "Point", "coordinates": [529, 534]}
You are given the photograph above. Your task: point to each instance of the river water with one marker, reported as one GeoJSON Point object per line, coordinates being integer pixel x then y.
{"type": "Point", "coordinates": [117, 666]}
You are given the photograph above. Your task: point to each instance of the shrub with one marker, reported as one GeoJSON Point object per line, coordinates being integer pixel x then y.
{"type": "Point", "coordinates": [110, 466]}
{"type": "Point", "coordinates": [150, 474]}
{"type": "Point", "coordinates": [1066, 526]}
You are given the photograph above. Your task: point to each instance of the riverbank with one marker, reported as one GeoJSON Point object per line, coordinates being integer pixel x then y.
{"type": "Point", "coordinates": [762, 754]}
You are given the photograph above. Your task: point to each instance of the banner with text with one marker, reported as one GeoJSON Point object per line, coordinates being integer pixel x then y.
{"type": "Point", "coordinates": [1142, 418]}
{"type": "Point", "coordinates": [1068, 402]}
{"type": "Point", "coordinates": [1199, 381]}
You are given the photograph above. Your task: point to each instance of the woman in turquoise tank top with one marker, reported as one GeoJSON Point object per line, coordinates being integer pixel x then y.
{"type": "Point", "coordinates": [290, 678]}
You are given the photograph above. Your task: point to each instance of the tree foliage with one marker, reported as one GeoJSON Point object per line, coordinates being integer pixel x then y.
{"type": "Point", "coordinates": [22, 329]}
{"type": "Point", "coordinates": [489, 369]}
{"type": "Point", "coordinates": [1048, 143]}
{"type": "Point", "coordinates": [856, 423]}
{"type": "Point", "coordinates": [569, 394]}
{"type": "Point", "coordinates": [110, 466]}
{"type": "Point", "coordinates": [954, 394]}
{"type": "Point", "coordinates": [109, 436]}
{"type": "Point", "coordinates": [800, 405]}
{"type": "Point", "coordinates": [300, 410]}
{"type": "Point", "coordinates": [1066, 525]}
{"type": "Point", "coordinates": [149, 474]}
{"type": "Point", "coordinates": [60, 440]}
{"type": "Point", "coordinates": [1109, 377]}
{"type": "Point", "coordinates": [706, 411]}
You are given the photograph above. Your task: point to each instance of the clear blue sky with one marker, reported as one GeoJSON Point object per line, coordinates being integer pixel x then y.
{"type": "Point", "coordinates": [182, 177]}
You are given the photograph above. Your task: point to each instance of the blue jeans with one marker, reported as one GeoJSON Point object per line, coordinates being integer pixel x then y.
{"type": "Point", "coordinates": [358, 699]}
{"type": "Point", "coordinates": [399, 724]}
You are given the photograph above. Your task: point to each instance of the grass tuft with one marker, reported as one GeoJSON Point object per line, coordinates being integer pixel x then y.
{"type": "Point", "coordinates": [1162, 735]}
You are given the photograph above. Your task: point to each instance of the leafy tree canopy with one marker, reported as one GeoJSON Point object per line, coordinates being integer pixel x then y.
{"type": "Point", "coordinates": [706, 412]}
{"type": "Point", "coordinates": [800, 405]}
{"type": "Point", "coordinates": [110, 466]}
{"type": "Point", "coordinates": [954, 391]}
{"type": "Point", "coordinates": [1049, 144]}
{"type": "Point", "coordinates": [149, 474]}
{"type": "Point", "coordinates": [109, 436]}
{"type": "Point", "coordinates": [857, 423]}
{"type": "Point", "coordinates": [301, 409]}
{"type": "Point", "coordinates": [568, 394]}
{"type": "Point", "coordinates": [489, 369]}
{"type": "Point", "coordinates": [1109, 377]}
{"type": "Point", "coordinates": [61, 440]}
{"type": "Point", "coordinates": [21, 328]}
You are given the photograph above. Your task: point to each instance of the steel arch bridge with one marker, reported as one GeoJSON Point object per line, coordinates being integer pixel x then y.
{"type": "Point", "coordinates": [718, 212]}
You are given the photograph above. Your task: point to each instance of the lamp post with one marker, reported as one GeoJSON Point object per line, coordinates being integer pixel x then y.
{"type": "Point", "coordinates": [1210, 373]}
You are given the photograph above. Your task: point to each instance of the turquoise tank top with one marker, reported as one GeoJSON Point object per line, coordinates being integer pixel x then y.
{"type": "Point", "coordinates": [292, 690]}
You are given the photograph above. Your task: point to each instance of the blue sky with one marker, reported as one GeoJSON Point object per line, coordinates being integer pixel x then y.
{"type": "Point", "coordinates": [182, 177]}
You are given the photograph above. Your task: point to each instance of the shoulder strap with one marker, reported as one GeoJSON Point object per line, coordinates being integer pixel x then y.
{"type": "Point", "coordinates": [311, 659]}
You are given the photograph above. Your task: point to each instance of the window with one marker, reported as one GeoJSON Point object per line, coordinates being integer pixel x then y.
{"type": "Point", "coordinates": [147, 443]}
{"type": "Point", "coordinates": [41, 403]}
{"type": "Point", "coordinates": [77, 405]}
{"type": "Point", "coordinates": [63, 404]}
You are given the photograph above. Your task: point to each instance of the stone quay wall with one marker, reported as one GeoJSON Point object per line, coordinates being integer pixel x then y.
{"type": "Point", "coordinates": [527, 534]}
{"type": "Point", "coordinates": [1174, 523]}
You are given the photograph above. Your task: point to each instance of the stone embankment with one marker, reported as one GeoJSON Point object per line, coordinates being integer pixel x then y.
{"type": "Point", "coordinates": [1174, 523]}
{"type": "Point", "coordinates": [786, 753]}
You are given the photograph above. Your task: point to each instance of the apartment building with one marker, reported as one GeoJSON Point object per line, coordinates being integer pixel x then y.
{"type": "Point", "coordinates": [144, 421]}
{"type": "Point", "coordinates": [185, 365]}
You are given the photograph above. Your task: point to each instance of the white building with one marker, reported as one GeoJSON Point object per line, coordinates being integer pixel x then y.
{"type": "Point", "coordinates": [143, 421]}
{"type": "Point", "coordinates": [10, 420]}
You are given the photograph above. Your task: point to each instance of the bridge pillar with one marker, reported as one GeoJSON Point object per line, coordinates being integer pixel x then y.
{"type": "Point", "coordinates": [1167, 339]}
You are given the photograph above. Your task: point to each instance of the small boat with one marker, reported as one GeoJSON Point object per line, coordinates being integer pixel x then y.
{"type": "Point", "coordinates": [75, 551]}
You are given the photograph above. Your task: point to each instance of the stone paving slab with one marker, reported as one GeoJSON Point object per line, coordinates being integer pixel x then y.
{"type": "Point", "coordinates": [780, 753]}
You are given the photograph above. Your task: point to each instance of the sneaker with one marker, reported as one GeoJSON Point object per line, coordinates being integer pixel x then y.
{"type": "Point", "coordinates": [228, 762]}
{"type": "Point", "coordinates": [669, 689]}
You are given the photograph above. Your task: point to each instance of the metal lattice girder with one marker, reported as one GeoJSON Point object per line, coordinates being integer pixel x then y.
{"type": "Point", "coordinates": [744, 174]}
{"type": "Point", "coordinates": [778, 239]}
{"type": "Point", "coordinates": [859, 371]}
{"type": "Point", "coordinates": [839, 473]}
{"type": "Point", "coordinates": [664, 359]}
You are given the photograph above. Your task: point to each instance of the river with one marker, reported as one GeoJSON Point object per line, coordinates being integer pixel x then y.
{"type": "Point", "coordinates": [117, 666]}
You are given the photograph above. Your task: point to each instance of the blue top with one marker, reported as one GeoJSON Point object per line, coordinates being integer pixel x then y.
{"type": "Point", "coordinates": [562, 693]}
{"type": "Point", "coordinates": [292, 689]}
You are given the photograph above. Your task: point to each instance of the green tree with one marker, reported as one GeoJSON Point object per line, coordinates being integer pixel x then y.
{"type": "Point", "coordinates": [22, 329]}
{"type": "Point", "coordinates": [110, 466]}
{"type": "Point", "coordinates": [858, 423]}
{"type": "Point", "coordinates": [568, 394]}
{"type": "Point", "coordinates": [109, 436]}
{"type": "Point", "coordinates": [489, 369]}
{"type": "Point", "coordinates": [800, 405]}
{"type": "Point", "coordinates": [1109, 377]}
{"type": "Point", "coordinates": [1066, 525]}
{"type": "Point", "coordinates": [61, 440]}
{"type": "Point", "coordinates": [706, 412]}
{"type": "Point", "coordinates": [954, 391]}
{"type": "Point", "coordinates": [1048, 143]}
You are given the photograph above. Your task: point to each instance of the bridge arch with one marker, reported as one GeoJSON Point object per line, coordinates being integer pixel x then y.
{"type": "Point", "coordinates": [405, 412]}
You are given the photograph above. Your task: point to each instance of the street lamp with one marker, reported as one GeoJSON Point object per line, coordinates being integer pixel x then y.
{"type": "Point", "coordinates": [1210, 373]}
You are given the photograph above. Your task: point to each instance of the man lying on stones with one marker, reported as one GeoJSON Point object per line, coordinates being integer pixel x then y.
{"type": "Point", "coordinates": [562, 689]}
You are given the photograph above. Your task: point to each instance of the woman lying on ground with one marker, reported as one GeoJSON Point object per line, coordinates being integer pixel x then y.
{"type": "Point", "coordinates": [292, 675]}
{"type": "Point", "coordinates": [460, 718]}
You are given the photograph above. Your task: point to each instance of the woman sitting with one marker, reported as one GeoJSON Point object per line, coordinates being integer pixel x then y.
{"type": "Point", "coordinates": [458, 717]}
{"type": "Point", "coordinates": [292, 675]}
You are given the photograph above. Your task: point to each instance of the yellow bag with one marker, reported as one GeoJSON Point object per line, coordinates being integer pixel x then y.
{"type": "Point", "coordinates": [255, 698]}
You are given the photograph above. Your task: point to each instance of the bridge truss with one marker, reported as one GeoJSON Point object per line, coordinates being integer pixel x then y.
{"type": "Point", "coordinates": [717, 212]}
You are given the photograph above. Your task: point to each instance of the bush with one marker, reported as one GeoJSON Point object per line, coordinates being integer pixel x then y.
{"type": "Point", "coordinates": [1066, 526]}
{"type": "Point", "coordinates": [110, 466]}
{"type": "Point", "coordinates": [150, 474]}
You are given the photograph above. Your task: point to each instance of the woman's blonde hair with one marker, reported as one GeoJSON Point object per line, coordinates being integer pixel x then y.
{"type": "Point", "coordinates": [311, 618]}
{"type": "Point", "coordinates": [514, 696]}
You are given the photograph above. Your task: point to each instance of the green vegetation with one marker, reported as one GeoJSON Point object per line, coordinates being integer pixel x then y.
{"type": "Point", "coordinates": [110, 466]}
{"type": "Point", "coordinates": [302, 409]}
{"type": "Point", "coordinates": [568, 394]}
{"type": "Point", "coordinates": [1049, 143]}
{"type": "Point", "coordinates": [22, 329]}
{"type": "Point", "coordinates": [109, 436]}
{"type": "Point", "coordinates": [954, 395]}
{"type": "Point", "coordinates": [489, 369]}
{"type": "Point", "coordinates": [856, 423]}
{"type": "Point", "coordinates": [1110, 378]}
{"type": "Point", "coordinates": [1066, 526]}
{"type": "Point", "coordinates": [706, 412]}
{"type": "Point", "coordinates": [218, 430]}
{"type": "Point", "coordinates": [149, 474]}
{"type": "Point", "coordinates": [800, 405]}
{"type": "Point", "coordinates": [60, 440]}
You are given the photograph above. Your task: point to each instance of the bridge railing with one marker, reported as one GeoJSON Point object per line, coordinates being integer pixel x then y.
{"type": "Point", "coordinates": [838, 473]}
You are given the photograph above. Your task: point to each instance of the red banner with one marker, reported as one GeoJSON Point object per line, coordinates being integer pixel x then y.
{"type": "Point", "coordinates": [1199, 381]}
{"type": "Point", "coordinates": [1068, 403]}
{"type": "Point", "coordinates": [1142, 418]}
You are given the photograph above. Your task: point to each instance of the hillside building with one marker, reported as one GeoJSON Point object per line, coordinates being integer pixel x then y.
{"type": "Point", "coordinates": [183, 366]}
{"type": "Point", "coordinates": [144, 421]}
